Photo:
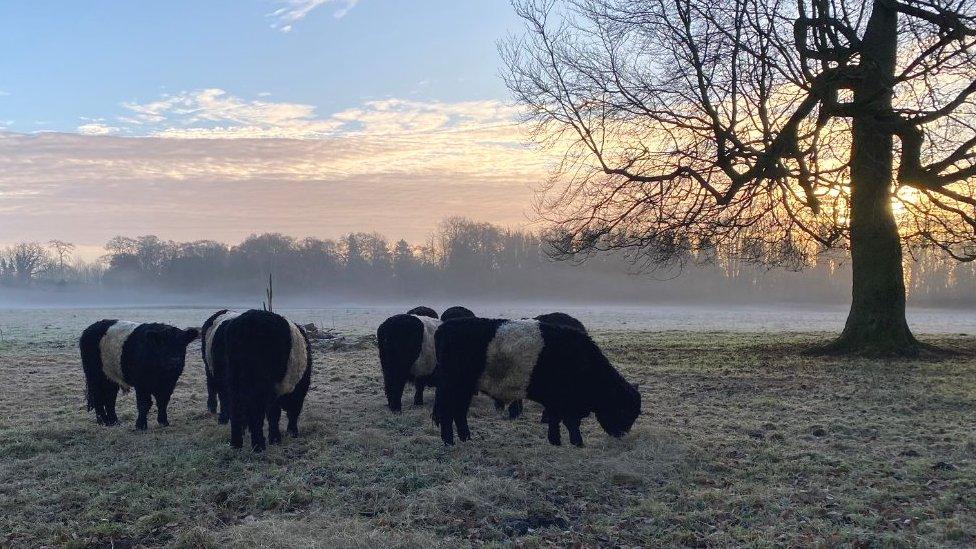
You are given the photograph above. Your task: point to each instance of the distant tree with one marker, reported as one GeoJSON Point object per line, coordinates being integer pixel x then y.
{"type": "Point", "coordinates": [119, 245]}
{"type": "Point", "coordinates": [27, 260]}
{"type": "Point", "coordinates": [317, 262]}
{"type": "Point", "coordinates": [406, 268]}
{"type": "Point", "coordinates": [62, 251]}
{"type": "Point", "coordinates": [353, 252]}
{"type": "Point", "coordinates": [153, 253]}
{"type": "Point", "coordinates": [263, 252]}
{"type": "Point", "coordinates": [378, 253]}
{"type": "Point", "coordinates": [123, 270]}
{"type": "Point", "coordinates": [468, 248]}
{"type": "Point", "coordinates": [765, 128]}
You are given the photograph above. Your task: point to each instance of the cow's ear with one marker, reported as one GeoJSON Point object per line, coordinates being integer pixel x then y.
{"type": "Point", "coordinates": [190, 334]}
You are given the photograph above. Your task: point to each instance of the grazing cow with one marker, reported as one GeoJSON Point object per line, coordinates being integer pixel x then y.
{"type": "Point", "coordinates": [116, 354]}
{"type": "Point", "coordinates": [423, 311]}
{"type": "Point", "coordinates": [456, 311]}
{"type": "Point", "coordinates": [406, 346]}
{"type": "Point", "coordinates": [215, 377]}
{"type": "Point", "coordinates": [562, 319]}
{"type": "Point", "coordinates": [560, 368]}
{"type": "Point", "coordinates": [266, 361]}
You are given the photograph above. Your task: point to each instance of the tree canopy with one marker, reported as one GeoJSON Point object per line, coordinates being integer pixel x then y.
{"type": "Point", "coordinates": [773, 129]}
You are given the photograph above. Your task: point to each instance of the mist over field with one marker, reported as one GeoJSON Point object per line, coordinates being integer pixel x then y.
{"type": "Point", "coordinates": [473, 263]}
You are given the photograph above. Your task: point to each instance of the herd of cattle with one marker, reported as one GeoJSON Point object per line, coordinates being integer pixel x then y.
{"type": "Point", "coordinates": [258, 363]}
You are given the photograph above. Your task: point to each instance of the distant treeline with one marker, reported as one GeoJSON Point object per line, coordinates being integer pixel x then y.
{"type": "Point", "coordinates": [462, 259]}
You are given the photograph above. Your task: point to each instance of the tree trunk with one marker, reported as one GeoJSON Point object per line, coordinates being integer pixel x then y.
{"type": "Point", "coordinates": [876, 324]}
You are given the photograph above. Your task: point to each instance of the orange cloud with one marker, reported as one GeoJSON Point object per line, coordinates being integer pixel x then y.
{"type": "Point", "coordinates": [214, 166]}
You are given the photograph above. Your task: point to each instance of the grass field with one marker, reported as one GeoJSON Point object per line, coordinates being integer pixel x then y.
{"type": "Point", "coordinates": [743, 442]}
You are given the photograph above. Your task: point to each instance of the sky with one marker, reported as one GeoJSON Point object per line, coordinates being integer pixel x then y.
{"type": "Point", "coordinates": [219, 119]}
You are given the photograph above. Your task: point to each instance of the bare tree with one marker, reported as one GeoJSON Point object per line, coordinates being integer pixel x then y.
{"type": "Point", "coordinates": [768, 129]}
{"type": "Point", "coordinates": [62, 250]}
{"type": "Point", "coordinates": [28, 259]}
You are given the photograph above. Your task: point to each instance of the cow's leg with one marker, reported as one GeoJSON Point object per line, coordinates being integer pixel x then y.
{"type": "Point", "coordinates": [293, 410]}
{"type": "Point", "coordinates": [443, 414]}
{"type": "Point", "coordinates": [224, 397]}
{"type": "Point", "coordinates": [292, 405]}
{"type": "Point", "coordinates": [545, 416]}
{"type": "Point", "coordinates": [393, 386]}
{"type": "Point", "coordinates": [236, 434]}
{"type": "Point", "coordinates": [515, 409]}
{"type": "Point", "coordinates": [211, 393]}
{"type": "Point", "coordinates": [111, 396]}
{"type": "Point", "coordinates": [162, 404]}
{"type": "Point", "coordinates": [143, 404]}
{"type": "Point", "coordinates": [96, 400]}
{"type": "Point", "coordinates": [554, 436]}
{"type": "Point", "coordinates": [499, 404]}
{"type": "Point", "coordinates": [573, 426]}
{"type": "Point", "coordinates": [274, 417]}
{"type": "Point", "coordinates": [462, 405]}
{"type": "Point", "coordinates": [237, 419]}
{"type": "Point", "coordinates": [255, 424]}
{"type": "Point", "coordinates": [418, 397]}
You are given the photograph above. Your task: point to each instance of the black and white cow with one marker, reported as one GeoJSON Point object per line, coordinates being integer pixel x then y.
{"type": "Point", "coordinates": [456, 311]}
{"type": "Point", "coordinates": [421, 310]}
{"type": "Point", "coordinates": [406, 347]}
{"type": "Point", "coordinates": [266, 362]}
{"type": "Point", "coordinates": [560, 368]}
{"type": "Point", "coordinates": [149, 358]}
{"type": "Point", "coordinates": [215, 376]}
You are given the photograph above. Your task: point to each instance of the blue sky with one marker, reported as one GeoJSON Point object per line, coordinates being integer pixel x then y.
{"type": "Point", "coordinates": [216, 119]}
{"type": "Point", "coordinates": [69, 62]}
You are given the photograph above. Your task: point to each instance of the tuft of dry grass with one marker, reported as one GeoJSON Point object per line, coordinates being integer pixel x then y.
{"type": "Point", "coordinates": [743, 441]}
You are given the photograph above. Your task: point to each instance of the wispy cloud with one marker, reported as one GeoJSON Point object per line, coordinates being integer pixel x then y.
{"type": "Point", "coordinates": [95, 128]}
{"type": "Point", "coordinates": [4, 93]}
{"type": "Point", "coordinates": [215, 114]}
{"type": "Point", "coordinates": [293, 11]}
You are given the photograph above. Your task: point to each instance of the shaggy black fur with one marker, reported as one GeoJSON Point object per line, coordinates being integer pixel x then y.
{"type": "Point", "coordinates": [456, 311]}
{"type": "Point", "coordinates": [153, 357]}
{"type": "Point", "coordinates": [423, 311]}
{"type": "Point", "coordinates": [214, 377]}
{"type": "Point", "coordinates": [253, 351]}
{"type": "Point", "coordinates": [562, 319]}
{"type": "Point", "coordinates": [400, 341]}
{"type": "Point", "coordinates": [567, 321]}
{"type": "Point", "coordinates": [571, 378]}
